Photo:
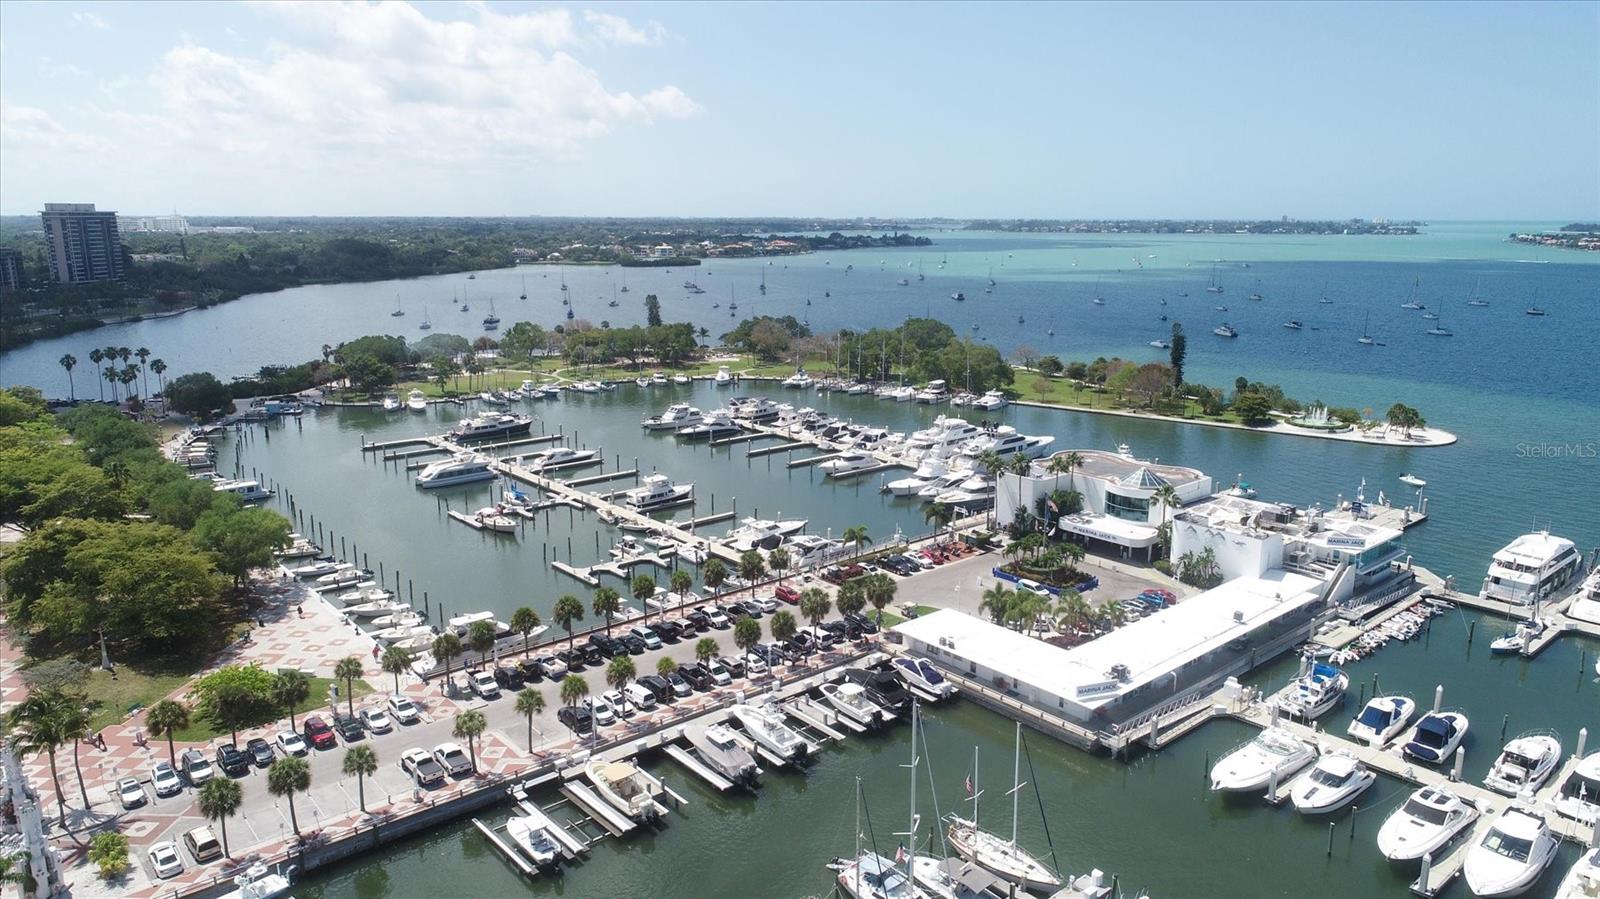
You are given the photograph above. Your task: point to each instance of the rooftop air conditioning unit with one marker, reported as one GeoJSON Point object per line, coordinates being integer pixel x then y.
{"type": "Point", "coordinates": [1238, 616]}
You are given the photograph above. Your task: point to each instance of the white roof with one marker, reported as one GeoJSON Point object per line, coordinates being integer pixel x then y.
{"type": "Point", "coordinates": [1535, 549]}
{"type": "Point", "coordinates": [1150, 647]}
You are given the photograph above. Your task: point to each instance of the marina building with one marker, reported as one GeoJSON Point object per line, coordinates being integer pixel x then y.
{"type": "Point", "coordinates": [1180, 651]}
{"type": "Point", "coordinates": [83, 244]}
{"type": "Point", "coordinates": [1119, 513]}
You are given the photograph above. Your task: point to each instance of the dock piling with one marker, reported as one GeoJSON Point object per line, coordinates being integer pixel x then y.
{"type": "Point", "coordinates": [1505, 720]}
{"type": "Point", "coordinates": [1330, 837]}
{"type": "Point", "coordinates": [1355, 812]}
{"type": "Point", "coordinates": [1438, 696]}
{"type": "Point", "coordinates": [1461, 758]}
{"type": "Point", "coordinates": [1427, 863]}
{"type": "Point", "coordinates": [1583, 740]}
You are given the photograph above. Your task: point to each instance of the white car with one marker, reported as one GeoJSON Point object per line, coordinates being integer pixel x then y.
{"type": "Point", "coordinates": [291, 743]}
{"type": "Point", "coordinates": [483, 684]}
{"type": "Point", "coordinates": [404, 710]}
{"type": "Point", "coordinates": [718, 619]}
{"type": "Point", "coordinates": [165, 779]}
{"type": "Point", "coordinates": [130, 792]}
{"type": "Point", "coordinates": [376, 721]}
{"type": "Point", "coordinates": [753, 666]}
{"type": "Point", "coordinates": [196, 767]}
{"type": "Point", "coordinates": [165, 861]}
{"type": "Point", "coordinates": [422, 767]}
{"type": "Point", "coordinates": [600, 707]}
{"type": "Point", "coordinates": [453, 758]}
{"type": "Point", "coordinates": [718, 673]}
{"type": "Point", "coordinates": [767, 603]}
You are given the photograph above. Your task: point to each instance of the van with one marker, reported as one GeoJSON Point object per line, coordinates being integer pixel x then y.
{"type": "Point", "coordinates": [202, 844]}
{"type": "Point", "coordinates": [640, 697]}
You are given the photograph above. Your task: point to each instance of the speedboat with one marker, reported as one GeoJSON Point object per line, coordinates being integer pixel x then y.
{"type": "Point", "coordinates": [807, 550]}
{"type": "Point", "coordinates": [626, 787]}
{"type": "Point", "coordinates": [1293, 324]}
{"type": "Point", "coordinates": [714, 425]}
{"type": "Point", "coordinates": [1382, 720]}
{"type": "Point", "coordinates": [258, 882]}
{"type": "Point", "coordinates": [398, 618]}
{"type": "Point", "coordinates": [799, 381]}
{"type": "Point", "coordinates": [320, 568]}
{"type": "Point", "coordinates": [852, 702]}
{"type": "Point", "coordinates": [391, 403]}
{"type": "Point", "coordinates": [721, 752]}
{"type": "Point", "coordinates": [923, 678]}
{"type": "Point", "coordinates": [1316, 692]}
{"type": "Point", "coordinates": [766, 726]}
{"type": "Point", "coordinates": [1437, 736]}
{"type": "Point", "coordinates": [416, 401]}
{"type": "Point", "coordinates": [1525, 763]}
{"type": "Point", "coordinates": [342, 578]}
{"type": "Point", "coordinates": [846, 464]}
{"type": "Point", "coordinates": [991, 401]}
{"type": "Point", "coordinates": [1331, 784]}
{"type": "Point", "coordinates": [1426, 823]}
{"type": "Point", "coordinates": [364, 592]}
{"type": "Point", "coordinates": [493, 424]}
{"type": "Point", "coordinates": [301, 548]}
{"type": "Point", "coordinates": [1511, 856]}
{"type": "Point", "coordinates": [377, 607]}
{"type": "Point", "coordinates": [1413, 480]}
{"type": "Point", "coordinates": [677, 415]}
{"type": "Point", "coordinates": [1275, 752]}
{"type": "Point", "coordinates": [723, 378]}
{"type": "Point", "coordinates": [658, 492]}
{"type": "Point", "coordinates": [1000, 856]}
{"type": "Point", "coordinates": [1225, 330]}
{"type": "Point", "coordinates": [1579, 795]}
{"type": "Point", "coordinates": [1161, 344]}
{"type": "Point", "coordinates": [531, 834]}
{"type": "Point", "coordinates": [1583, 881]}
{"type": "Point", "coordinates": [560, 457]}
{"type": "Point", "coordinates": [763, 533]}
{"type": "Point", "coordinates": [402, 632]}
{"type": "Point", "coordinates": [461, 468]}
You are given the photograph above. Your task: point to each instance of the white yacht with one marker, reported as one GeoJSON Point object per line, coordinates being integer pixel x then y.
{"type": "Point", "coordinates": [947, 433]}
{"type": "Point", "coordinates": [1583, 881]}
{"type": "Point", "coordinates": [402, 632]}
{"type": "Point", "coordinates": [320, 568]}
{"type": "Point", "coordinates": [678, 415]}
{"type": "Point", "coordinates": [935, 392]}
{"type": "Point", "coordinates": [1382, 720]}
{"type": "Point", "coordinates": [1252, 766]}
{"type": "Point", "coordinates": [391, 403]}
{"type": "Point", "coordinates": [847, 464]}
{"type": "Point", "coordinates": [902, 394]}
{"type": "Point", "coordinates": [1586, 605]}
{"type": "Point", "coordinates": [584, 386]}
{"type": "Point", "coordinates": [1225, 330]}
{"type": "Point", "coordinates": [494, 518]}
{"type": "Point", "coordinates": [799, 381]}
{"type": "Point", "coordinates": [626, 787]}
{"type": "Point", "coordinates": [922, 477]}
{"type": "Point", "coordinates": [756, 409]}
{"type": "Point", "coordinates": [493, 424]}
{"type": "Point", "coordinates": [1316, 692]}
{"type": "Point", "coordinates": [378, 608]}
{"type": "Point", "coordinates": [531, 833]}
{"type": "Point", "coordinates": [810, 550]}
{"type": "Point", "coordinates": [658, 492]}
{"type": "Point", "coordinates": [1436, 737]}
{"type": "Point", "coordinates": [346, 576]}
{"type": "Point", "coordinates": [724, 378]}
{"type": "Point", "coordinates": [973, 490]}
{"type": "Point", "coordinates": [1426, 823]}
{"type": "Point", "coordinates": [461, 468]}
{"type": "Point", "coordinates": [1579, 796]}
{"type": "Point", "coordinates": [922, 677]}
{"type": "Point", "coordinates": [416, 401]}
{"type": "Point", "coordinates": [1331, 784]}
{"type": "Point", "coordinates": [399, 618]}
{"type": "Point", "coordinates": [948, 481]}
{"type": "Point", "coordinates": [1525, 763]}
{"type": "Point", "coordinates": [1532, 567]}
{"type": "Point", "coordinates": [721, 752]}
{"type": "Point", "coordinates": [766, 726]}
{"type": "Point", "coordinates": [763, 533]}
{"type": "Point", "coordinates": [851, 701]}
{"type": "Point", "coordinates": [298, 548]}
{"type": "Point", "coordinates": [714, 425]}
{"type": "Point", "coordinates": [1006, 441]}
{"type": "Point", "coordinates": [991, 401]}
{"type": "Point", "coordinates": [558, 457]}
{"type": "Point", "coordinates": [1511, 856]}
{"type": "Point", "coordinates": [258, 882]}
{"type": "Point", "coordinates": [247, 491]}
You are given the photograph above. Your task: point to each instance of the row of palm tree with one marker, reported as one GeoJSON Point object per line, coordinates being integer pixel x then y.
{"type": "Point", "coordinates": [1025, 610]}
{"type": "Point", "coordinates": [112, 374]}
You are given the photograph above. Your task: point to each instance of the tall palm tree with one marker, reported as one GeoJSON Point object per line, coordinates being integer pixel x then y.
{"type": "Point", "coordinates": [607, 603]}
{"type": "Point", "coordinates": [705, 648]}
{"type": "Point", "coordinates": [1167, 496]}
{"type": "Point", "coordinates": [996, 602]}
{"type": "Point", "coordinates": [779, 561]}
{"type": "Point", "coordinates": [348, 669]}
{"type": "Point", "coordinates": [939, 515]}
{"type": "Point", "coordinates": [39, 724]}
{"type": "Point", "coordinates": [287, 776]}
{"type": "Point", "coordinates": [446, 648]}
{"type": "Point", "coordinates": [857, 536]}
{"type": "Point", "coordinates": [144, 356]}
{"type": "Point", "coordinates": [643, 586]}
{"type": "Point", "coordinates": [469, 726]}
{"type": "Point", "coordinates": [112, 378]}
{"type": "Point", "coordinates": [361, 761]}
{"type": "Point", "coordinates": [815, 606]}
{"type": "Point", "coordinates": [289, 689]}
{"type": "Point", "coordinates": [530, 702]}
{"type": "Point", "coordinates": [75, 724]}
{"type": "Point", "coordinates": [880, 590]}
{"type": "Point", "coordinates": [681, 582]}
{"type": "Point", "coordinates": [524, 621]}
{"type": "Point", "coordinates": [574, 689]}
{"type": "Point", "coordinates": [1064, 463]}
{"type": "Point", "coordinates": [166, 718]}
{"type": "Point", "coordinates": [396, 660]}
{"type": "Point", "coordinates": [751, 567]}
{"type": "Point", "coordinates": [619, 673]}
{"type": "Point", "coordinates": [782, 626]}
{"type": "Point", "coordinates": [220, 798]}
{"type": "Point", "coordinates": [713, 573]}
{"type": "Point", "coordinates": [991, 462]}
{"type": "Point", "coordinates": [568, 611]}
{"type": "Point", "coordinates": [159, 366]}
{"type": "Point", "coordinates": [67, 362]}
{"type": "Point", "coordinates": [124, 353]}
{"type": "Point", "coordinates": [96, 356]}
{"type": "Point", "coordinates": [128, 376]}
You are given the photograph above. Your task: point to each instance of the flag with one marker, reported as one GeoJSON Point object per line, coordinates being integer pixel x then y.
{"type": "Point", "coordinates": [969, 785]}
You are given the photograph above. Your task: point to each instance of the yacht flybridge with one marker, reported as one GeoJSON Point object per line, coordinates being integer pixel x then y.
{"type": "Point", "coordinates": [677, 415]}
{"type": "Point", "coordinates": [492, 424]}
{"type": "Point", "coordinates": [658, 492]}
{"type": "Point", "coordinates": [1316, 692]}
{"type": "Point", "coordinates": [1532, 568]}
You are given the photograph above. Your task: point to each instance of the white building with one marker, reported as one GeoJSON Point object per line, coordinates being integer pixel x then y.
{"type": "Point", "coordinates": [1188, 647]}
{"type": "Point", "coordinates": [1532, 567]}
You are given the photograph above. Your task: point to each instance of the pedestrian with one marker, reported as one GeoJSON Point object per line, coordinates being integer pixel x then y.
{"type": "Point", "coordinates": [260, 622]}
{"type": "Point", "coordinates": [374, 650]}
{"type": "Point", "coordinates": [300, 610]}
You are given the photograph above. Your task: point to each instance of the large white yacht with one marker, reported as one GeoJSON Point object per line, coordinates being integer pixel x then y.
{"type": "Point", "coordinates": [845, 465]}
{"type": "Point", "coordinates": [808, 550]}
{"type": "Point", "coordinates": [975, 489]}
{"type": "Point", "coordinates": [1583, 881]}
{"type": "Point", "coordinates": [1429, 820]}
{"type": "Point", "coordinates": [461, 468]}
{"type": "Point", "coordinates": [947, 433]}
{"type": "Point", "coordinates": [713, 425]}
{"type": "Point", "coordinates": [763, 533]}
{"type": "Point", "coordinates": [658, 492]}
{"type": "Point", "coordinates": [1524, 764]}
{"type": "Point", "coordinates": [1274, 752]}
{"type": "Point", "coordinates": [1007, 442]}
{"type": "Point", "coordinates": [991, 401]}
{"type": "Point", "coordinates": [678, 415]}
{"type": "Point", "coordinates": [1511, 856]}
{"type": "Point", "coordinates": [1531, 568]}
{"type": "Point", "coordinates": [558, 457]}
{"type": "Point", "coordinates": [492, 424]}
{"type": "Point", "coordinates": [936, 392]}
{"type": "Point", "coordinates": [1579, 795]}
{"type": "Point", "coordinates": [1586, 605]}
{"type": "Point", "coordinates": [1316, 692]}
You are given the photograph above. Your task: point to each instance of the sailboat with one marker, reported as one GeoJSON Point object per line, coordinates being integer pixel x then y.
{"type": "Point", "coordinates": [920, 276]}
{"type": "Point", "coordinates": [624, 280]}
{"type": "Point", "coordinates": [991, 276]}
{"type": "Point", "coordinates": [524, 287]}
{"type": "Point", "coordinates": [1439, 330]}
{"type": "Point", "coordinates": [1256, 294]}
{"type": "Point", "coordinates": [491, 321]}
{"type": "Point", "coordinates": [426, 325]}
{"type": "Point", "coordinates": [763, 281]}
{"type": "Point", "coordinates": [1365, 339]}
{"type": "Point", "coordinates": [1215, 286]}
{"type": "Point", "coordinates": [563, 280]}
{"type": "Point", "coordinates": [1002, 857]}
{"type": "Point", "coordinates": [397, 310]}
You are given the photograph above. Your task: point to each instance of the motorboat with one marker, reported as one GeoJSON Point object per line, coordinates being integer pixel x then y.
{"type": "Point", "coordinates": [247, 491]}
{"type": "Point", "coordinates": [1586, 605]}
{"type": "Point", "coordinates": [461, 468]}
{"type": "Point", "coordinates": [720, 751]}
{"type": "Point", "coordinates": [416, 401]}
{"type": "Point", "coordinates": [493, 424]}
{"type": "Point", "coordinates": [494, 518]}
{"type": "Point", "coordinates": [1293, 324]}
{"type": "Point", "coordinates": [320, 568]}
{"type": "Point", "coordinates": [923, 678]}
{"type": "Point", "coordinates": [799, 381]}
{"type": "Point", "coordinates": [1436, 737]}
{"type": "Point", "coordinates": [1534, 310]}
{"type": "Point", "coordinates": [975, 489]}
{"type": "Point", "coordinates": [723, 377]}
{"type": "Point", "coordinates": [763, 533]}
{"type": "Point", "coordinates": [559, 457]}
{"type": "Point", "coordinates": [342, 578]}
{"type": "Point", "coordinates": [492, 398]}
{"type": "Point", "coordinates": [1525, 763]}
{"type": "Point", "coordinates": [531, 833]}
{"type": "Point", "coordinates": [1331, 784]}
{"type": "Point", "coordinates": [847, 464]}
{"type": "Point", "coordinates": [871, 876]}
{"type": "Point", "coordinates": [658, 492]}
{"type": "Point", "coordinates": [1518, 639]}
{"type": "Point", "coordinates": [402, 632]}
{"type": "Point", "coordinates": [766, 726]}
{"type": "Point", "coordinates": [1532, 568]}
{"type": "Point", "coordinates": [1161, 344]}
{"type": "Point", "coordinates": [1275, 753]}
{"type": "Point", "coordinates": [809, 550]}
{"type": "Point", "coordinates": [947, 433]}
{"type": "Point", "coordinates": [851, 701]}
{"type": "Point", "coordinates": [936, 391]}
{"type": "Point", "coordinates": [298, 548]}
{"type": "Point", "coordinates": [626, 787]}
{"type": "Point", "coordinates": [1225, 330]}
{"type": "Point", "coordinates": [1579, 795]}
{"type": "Point", "coordinates": [902, 394]}
{"type": "Point", "coordinates": [1583, 880]}
{"type": "Point", "coordinates": [1413, 480]}
{"type": "Point", "coordinates": [677, 415]}
{"type": "Point", "coordinates": [681, 379]}
{"type": "Point", "coordinates": [391, 403]}
{"type": "Point", "coordinates": [714, 425]}
{"type": "Point", "coordinates": [584, 386]}
{"type": "Point", "coordinates": [1383, 718]}
{"type": "Point", "coordinates": [364, 592]}
{"type": "Point", "coordinates": [991, 401]}
{"type": "Point", "coordinates": [398, 618]}
{"type": "Point", "coordinates": [1512, 855]}
{"type": "Point", "coordinates": [1427, 822]}
{"type": "Point", "coordinates": [376, 608]}
{"type": "Point", "coordinates": [1316, 692]}
{"type": "Point", "coordinates": [942, 483]}
{"type": "Point", "coordinates": [258, 882]}
{"type": "Point", "coordinates": [757, 409]}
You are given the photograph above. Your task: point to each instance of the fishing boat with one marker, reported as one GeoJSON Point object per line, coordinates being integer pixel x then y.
{"type": "Point", "coordinates": [922, 677]}
{"type": "Point", "coordinates": [376, 608]}
{"type": "Point", "coordinates": [723, 378]}
{"type": "Point", "coordinates": [1275, 753]}
{"type": "Point", "coordinates": [391, 403]}
{"type": "Point", "coordinates": [851, 701]}
{"type": "Point", "coordinates": [658, 492]}
{"type": "Point", "coordinates": [626, 787]}
{"type": "Point", "coordinates": [1525, 763]}
{"type": "Point", "coordinates": [1436, 737]}
{"type": "Point", "coordinates": [1004, 858]}
{"type": "Point", "coordinates": [531, 833]}
{"type": "Point", "coordinates": [1512, 855]}
{"type": "Point", "coordinates": [766, 726]}
{"type": "Point", "coordinates": [721, 752]}
{"type": "Point", "coordinates": [1225, 330]}
{"type": "Point", "coordinates": [1331, 784]}
{"type": "Point", "coordinates": [1428, 821]}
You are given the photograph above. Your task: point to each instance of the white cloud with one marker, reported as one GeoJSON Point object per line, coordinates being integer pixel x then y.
{"type": "Point", "coordinates": [28, 127]}
{"type": "Point", "coordinates": [617, 30]}
{"type": "Point", "coordinates": [90, 20]}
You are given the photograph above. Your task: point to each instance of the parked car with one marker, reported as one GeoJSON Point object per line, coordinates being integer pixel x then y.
{"type": "Point", "coordinates": [232, 760]}
{"type": "Point", "coordinates": [607, 645]}
{"type": "Point", "coordinates": [754, 665]}
{"type": "Point", "coordinates": [769, 655]}
{"type": "Point", "coordinates": [800, 645]}
{"type": "Point", "coordinates": [765, 603]}
{"type": "Point", "coordinates": [552, 668]}
{"type": "Point", "coordinates": [260, 751]}
{"type": "Point", "coordinates": [734, 610]}
{"type": "Point", "coordinates": [658, 686]}
{"type": "Point", "coordinates": [867, 625]}
{"type": "Point", "coordinates": [639, 696]}
{"type": "Point", "coordinates": [686, 625]}
{"type": "Point", "coordinates": [733, 664]}
{"type": "Point", "coordinates": [164, 778]}
{"type": "Point", "coordinates": [668, 630]}
{"type": "Point", "coordinates": [602, 710]}
{"type": "Point", "coordinates": [718, 618]}
{"type": "Point", "coordinates": [701, 619]}
{"type": "Point", "coordinates": [318, 733]}
{"type": "Point", "coordinates": [350, 728]}
{"type": "Point", "coordinates": [508, 677]}
{"type": "Point", "coordinates": [453, 758]}
{"type": "Point", "coordinates": [530, 671]}
{"type": "Point", "coordinates": [195, 766]}
{"type": "Point", "coordinates": [576, 718]}
{"type": "Point", "coordinates": [640, 632]}
{"type": "Point", "coordinates": [825, 638]}
{"type": "Point", "coordinates": [202, 844]}
{"type": "Point", "coordinates": [789, 595]}
{"type": "Point", "coordinates": [636, 645]}
{"type": "Point", "coordinates": [483, 684]}
{"type": "Point", "coordinates": [697, 676]}
{"type": "Point", "coordinates": [573, 659]}
{"type": "Point", "coordinates": [130, 792]}
{"type": "Point", "coordinates": [720, 675]}
{"type": "Point", "coordinates": [164, 860]}
{"type": "Point", "coordinates": [376, 721]}
{"type": "Point", "coordinates": [422, 767]}
{"type": "Point", "coordinates": [680, 686]}
{"type": "Point", "coordinates": [404, 710]}
{"type": "Point", "coordinates": [838, 574]}
{"type": "Point", "coordinates": [592, 656]}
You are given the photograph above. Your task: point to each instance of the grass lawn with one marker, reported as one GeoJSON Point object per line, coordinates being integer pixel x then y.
{"type": "Point", "coordinates": [890, 619]}
{"type": "Point", "coordinates": [201, 729]}
{"type": "Point", "coordinates": [110, 698]}
{"type": "Point", "coordinates": [1036, 388]}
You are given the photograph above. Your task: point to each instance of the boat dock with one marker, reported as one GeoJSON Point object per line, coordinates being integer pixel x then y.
{"type": "Point", "coordinates": [819, 719]}
{"type": "Point", "coordinates": [686, 759]}
{"type": "Point", "coordinates": [571, 846]}
{"type": "Point", "coordinates": [507, 851]}
{"type": "Point", "coordinates": [601, 811]}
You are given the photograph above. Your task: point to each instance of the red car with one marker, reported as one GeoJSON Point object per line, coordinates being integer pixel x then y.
{"type": "Point", "coordinates": [788, 594]}
{"type": "Point", "coordinates": [318, 733]}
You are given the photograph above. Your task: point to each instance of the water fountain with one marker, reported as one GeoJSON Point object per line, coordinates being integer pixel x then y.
{"type": "Point", "coordinates": [1316, 417]}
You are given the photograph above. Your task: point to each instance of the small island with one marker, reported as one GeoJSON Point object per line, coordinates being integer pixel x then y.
{"type": "Point", "coordinates": [1576, 236]}
{"type": "Point", "coordinates": [1283, 225]}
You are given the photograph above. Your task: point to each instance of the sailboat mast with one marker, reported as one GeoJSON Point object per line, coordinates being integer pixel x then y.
{"type": "Point", "coordinates": [974, 786]}
{"type": "Point", "coordinates": [858, 835]}
{"type": "Point", "coordinates": [1016, 782]}
{"type": "Point", "coordinates": [911, 827]}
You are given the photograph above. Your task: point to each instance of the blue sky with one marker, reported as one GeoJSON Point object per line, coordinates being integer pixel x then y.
{"type": "Point", "coordinates": [1442, 111]}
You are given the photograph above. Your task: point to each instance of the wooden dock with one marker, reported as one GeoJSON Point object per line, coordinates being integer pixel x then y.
{"type": "Point", "coordinates": [602, 478]}
{"type": "Point", "coordinates": [813, 460]}
{"type": "Point", "coordinates": [780, 448]}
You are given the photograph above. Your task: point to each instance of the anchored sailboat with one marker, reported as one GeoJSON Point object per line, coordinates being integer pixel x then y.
{"type": "Point", "coordinates": [1002, 857]}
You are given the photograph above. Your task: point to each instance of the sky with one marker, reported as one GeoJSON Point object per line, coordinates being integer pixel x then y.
{"type": "Point", "coordinates": [1060, 110]}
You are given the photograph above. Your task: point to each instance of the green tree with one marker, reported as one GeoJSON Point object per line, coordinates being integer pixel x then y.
{"type": "Point", "coordinates": [815, 605]}
{"type": "Point", "coordinates": [607, 603]}
{"type": "Point", "coordinates": [348, 669]}
{"type": "Point", "coordinates": [447, 648]}
{"type": "Point", "coordinates": [481, 639]}
{"type": "Point", "coordinates": [1177, 353]}
{"type": "Point", "coordinates": [751, 567]}
{"type": "Point", "coordinates": [166, 718]}
{"type": "Point", "coordinates": [714, 573]}
{"type": "Point", "coordinates": [236, 696]}
{"type": "Point", "coordinates": [652, 311]}
{"type": "Point", "coordinates": [109, 852]}
{"type": "Point", "coordinates": [705, 649]}
{"type": "Point", "coordinates": [1252, 408]}
{"type": "Point", "coordinates": [69, 362]}
{"type": "Point", "coordinates": [681, 583]}
{"type": "Point", "coordinates": [530, 702]}
{"type": "Point", "coordinates": [470, 725]}
{"type": "Point", "coordinates": [996, 602]}
{"type": "Point", "coordinates": [289, 689]}
{"type": "Point", "coordinates": [666, 665]}
{"type": "Point", "coordinates": [852, 596]}
{"type": "Point", "coordinates": [287, 776]}
{"type": "Point", "coordinates": [40, 724]}
{"type": "Point", "coordinates": [525, 621]}
{"type": "Point", "coordinates": [779, 560]}
{"type": "Point", "coordinates": [361, 761]}
{"type": "Point", "coordinates": [619, 673]}
{"type": "Point", "coordinates": [396, 660]}
{"type": "Point", "coordinates": [574, 689]}
{"type": "Point", "coordinates": [220, 799]}
{"type": "Point", "coordinates": [96, 356]}
{"type": "Point", "coordinates": [857, 536]}
{"type": "Point", "coordinates": [746, 634]}
{"type": "Point", "coordinates": [939, 515]}
{"type": "Point", "coordinates": [643, 587]}
{"type": "Point", "coordinates": [241, 540]}
{"type": "Point", "coordinates": [198, 395]}
{"type": "Point", "coordinates": [568, 612]}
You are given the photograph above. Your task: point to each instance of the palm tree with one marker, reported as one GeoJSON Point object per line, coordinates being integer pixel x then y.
{"type": "Point", "coordinates": [470, 725]}
{"type": "Point", "coordinates": [939, 515]}
{"type": "Point", "coordinates": [1064, 463]}
{"type": "Point", "coordinates": [568, 611]}
{"type": "Point", "coordinates": [880, 589]}
{"type": "Point", "coordinates": [607, 602]}
{"type": "Point", "coordinates": [166, 718]}
{"type": "Point", "coordinates": [530, 702]}
{"type": "Point", "coordinates": [574, 689]}
{"type": "Point", "coordinates": [361, 761]}
{"type": "Point", "coordinates": [643, 586]}
{"type": "Point", "coordinates": [123, 353]}
{"type": "Point", "coordinates": [857, 536]}
{"type": "Point", "coordinates": [75, 724]}
{"type": "Point", "coordinates": [524, 620]}
{"type": "Point", "coordinates": [751, 568]}
{"type": "Point", "coordinates": [705, 649]}
{"type": "Point", "coordinates": [782, 626]}
{"type": "Point", "coordinates": [996, 602]}
{"type": "Point", "coordinates": [128, 376]}
{"type": "Point", "coordinates": [746, 634]}
{"type": "Point", "coordinates": [446, 648]}
{"type": "Point", "coordinates": [144, 356]}
{"type": "Point", "coordinates": [112, 378]}
{"type": "Point", "coordinates": [287, 776]}
{"type": "Point", "coordinates": [815, 605]}
{"type": "Point", "coordinates": [713, 573]}
{"type": "Point", "coordinates": [289, 689]}
{"type": "Point", "coordinates": [619, 673]}
{"type": "Point", "coordinates": [39, 724]}
{"type": "Point", "coordinates": [990, 461]}
{"type": "Point", "coordinates": [159, 366]}
{"type": "Point", "coordinates": [481, 638]}
{"type": "Point", "coordinates": [779, 561]}
{"type": "Point", "coordinates": [96, 356]}
{"type": "Point", "coordinates": [1072, 609]}
{"type": "Point", "coordinates": [396, 660]}
{"type": "Point", "coordinates": [220, 798]}
{"type": "Point", "coordinates": [1019, 465]}
{"type": "Point", "coordinates": [681, 582]}
{"type": "Point", "coordinates": [666, 665]}
{"type": "Point", "coordinates": [347, 670]}
{"type": "Point", "coordinates": [852, 594]}
{"type": "Point", "coordinates": [67, 362]}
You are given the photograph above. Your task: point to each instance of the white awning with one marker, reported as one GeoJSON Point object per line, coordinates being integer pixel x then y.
{"type": "Point", "coordinates": [1111, 530]}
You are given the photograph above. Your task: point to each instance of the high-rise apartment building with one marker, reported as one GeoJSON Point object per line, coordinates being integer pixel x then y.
{"type": "Point", "coordinates": [83, 244]}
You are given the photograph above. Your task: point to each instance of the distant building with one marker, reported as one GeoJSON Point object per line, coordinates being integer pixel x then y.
{"type": "Point", "coordinates": [84, 245]}
{"type": "Point", "coordinates": [169, 224]}
{"type": "Point", "coordinates": [10, 269]}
